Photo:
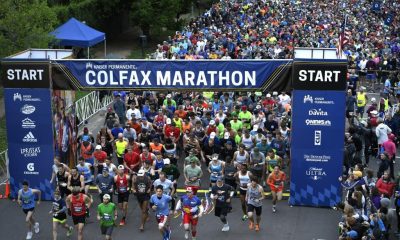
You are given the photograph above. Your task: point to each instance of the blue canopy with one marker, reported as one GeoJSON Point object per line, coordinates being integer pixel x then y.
{"type": "Point", "coordinates": [77, 34]}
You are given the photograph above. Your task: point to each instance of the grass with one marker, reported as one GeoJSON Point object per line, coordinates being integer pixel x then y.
{"type": "Point", "coordinates": [3, 134]}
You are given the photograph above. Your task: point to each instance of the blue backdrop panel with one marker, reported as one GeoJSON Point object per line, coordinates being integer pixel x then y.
{"type": "Point", "coordinates": [317, 147]}
{"type": "Point", "coordinates": [30, 138]}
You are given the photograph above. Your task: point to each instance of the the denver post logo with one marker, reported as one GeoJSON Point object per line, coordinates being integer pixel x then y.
{"type": "Point", "coordinates": [89, 65]}
{"type": "Point", "coordinates": [308, 98]}
{"type": "Point", "coordinates": [17, 96]}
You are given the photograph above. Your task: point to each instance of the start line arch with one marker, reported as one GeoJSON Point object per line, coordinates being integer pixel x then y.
{"type": "Point", "coordinates": [40, 127]}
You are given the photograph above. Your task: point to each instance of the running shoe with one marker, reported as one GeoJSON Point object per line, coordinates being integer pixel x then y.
{"type": "Point", "coordinates": [69, 232]}
{"type": "Point", "coordinates": [122, 222]}
{"type": "Point", "coordinates": [29, 235]}
{"type": "Point", "coordinates": [186, 235]}
{"type": "Point", "coordinates": [251, 226]}
{"type": "Point", "coordinates": [36, 227]}
{"type": "Point", "coordinates": [257, 228]}
{"type": "Point", "coordinates": [225, 228]}
{"type": "Point", "coordinates": [245, 217]}
{"type": "Point", "coordinates": [168, 234]}
{"type": "Point", "coordinates": [273, 209]}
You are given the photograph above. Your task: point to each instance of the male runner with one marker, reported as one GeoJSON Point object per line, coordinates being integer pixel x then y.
{"type": "Point", "coordinates": [62, 179]}
{"type": "Point", "coordinates": [77, 204]}
{"type": "Point", "coordinates": [76, 180]}
{"type": "Point", "coordinates": [26, 199]}
{"type": "Point", "coordinates": [168, 187]}
{"type": "Point", "coordinates": [107, 215]}
{"type": "Point", "coordinates": [189, 204]}
{"type": "Point", "coordinates": [254, 197]}
{"type": "Point", "coordinates": [243, 179]}
{"type": "Point", "coordinates": [105, 184]}
{"type": "Point", "coordinates": [141, 187]}
{"type": "Point", "coordinates": [121, 183]}
{"type": "Point", "coordinates": [275, 181]}
{"type": "Point", "coordinates": [222, 194]}
{"type": "Point", "coordinates": [58, 211]}
{"type": "Point", "coordinates": [159, 202]}
{"type": "Point", "coordinates": [84, 169]}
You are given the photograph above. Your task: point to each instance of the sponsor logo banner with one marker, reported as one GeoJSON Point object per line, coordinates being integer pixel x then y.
{"type": "Point", "coordinates": [29, 124]}
{"type": "Point", "coordinates": [221, 74]}
{"type": "Point", "coordinates": [317, 147]}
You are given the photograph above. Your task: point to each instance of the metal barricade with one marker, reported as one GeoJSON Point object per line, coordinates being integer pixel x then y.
{"type": "Point", "coordinates": [90, 105]}
{"type": "Point", "coordinates": [4, 173]}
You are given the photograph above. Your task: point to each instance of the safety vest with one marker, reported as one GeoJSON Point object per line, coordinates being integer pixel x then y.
{"type": "Point", "coordinates": [361, 99]}
{"type": "Point", "coordinates": [386, 104]}
{"type": "Point", "coordinates": [121, 146]}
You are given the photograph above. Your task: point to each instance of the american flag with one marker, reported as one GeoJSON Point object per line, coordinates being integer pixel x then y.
{"type": "Point", "coordinates": [344, 35]}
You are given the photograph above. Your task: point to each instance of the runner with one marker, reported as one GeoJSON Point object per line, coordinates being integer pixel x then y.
{"type": "Point", "coordinates": [26, 199]}
{"type": "Point", "coordinates": [105, 184]}
{"type": "Point", "coordinates": [59, 215]}
{"type": "Point", "coordinates": [189, 204]}
{"type": "Point", "coordinates": [62, 179]}
{"type": "Point", "coordinates": [107, 215]}
{"type": "Point", "coordinates": [171, 173]}
{"type": "Point", "coordinates": [254, 197]}
{"type": "Point", "coordinates": [84, 169]}
{"type": "Point", "coordinates": [77, 204]}
{"type": "Point", "coordinates": [159, 202]}
{"type": "Point", "coordinates": [275, 181]}
{"type": "Point", "coordinates": [222, 194]}
{"type": "Point", "coordinates": [216, 169]}
{"type": "Point", "coordinates": [76, 180]}
{"type": "Point", "coordinates": [141, 187]}
{"type": "Point", "coordinates": [121, 183]}
{"type": "Point", "coordinates": [193, 174]}
{"type": "Point", "coordinates": [243, 178]}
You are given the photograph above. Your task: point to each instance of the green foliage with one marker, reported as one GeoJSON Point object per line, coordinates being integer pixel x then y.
{"type": "Point", "coordinates": [25, 24]}
{"type": "Point", "coordinates": [3, 134]}
{"type": "Point", "coordinates": [157, 14]}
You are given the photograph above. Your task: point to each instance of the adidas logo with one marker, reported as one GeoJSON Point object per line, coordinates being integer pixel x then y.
{"type": "Point", "coordinates": [28, 123]}
{"type": "Point", "coordinates": [29, 138]}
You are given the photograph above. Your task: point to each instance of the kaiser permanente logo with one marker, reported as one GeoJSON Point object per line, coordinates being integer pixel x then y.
{"type": "Point", "coordinates": [316, 100]}
{"type": "Point", "coordinates": [29, 138]}
{"type": "Point", "coordinates": [25, 98]}
{"type": "Point", "coordinates": [28, 123]}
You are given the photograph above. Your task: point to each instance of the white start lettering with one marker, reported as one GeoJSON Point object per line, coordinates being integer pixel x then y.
{"type": "Point", "coordinates": [25, 74]}
{"type": "Point", "coordinates": [318, 76]}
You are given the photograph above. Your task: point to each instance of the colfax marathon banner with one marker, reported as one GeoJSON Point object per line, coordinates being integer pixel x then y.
{"type": "Point", "coordinates": [184, 75]}
{"type": "Point", "coordinates": [30, 138]}
{"type": "Point", "coordinates": [317, 140]}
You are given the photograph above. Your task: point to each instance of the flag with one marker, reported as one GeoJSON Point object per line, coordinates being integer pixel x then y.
{"type": "Point", "coordinates": [389, 19]}
{"type": "Point", "coordinates": [376, 6]}
{"type": "Point", "coordinates": [343, 37]}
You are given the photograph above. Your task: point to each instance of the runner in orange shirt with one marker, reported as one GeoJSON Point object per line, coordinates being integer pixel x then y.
{"type": "Point", "coordinates": [276, 181]}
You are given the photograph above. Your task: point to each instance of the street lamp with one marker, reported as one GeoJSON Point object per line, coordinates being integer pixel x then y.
{"type": "Point", "coordinates": [143, 43]}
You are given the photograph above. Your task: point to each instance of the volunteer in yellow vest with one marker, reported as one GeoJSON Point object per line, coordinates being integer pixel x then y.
{"type": "Point", "coordinates": [120, 145]}
{"type": "Point", "coordinates": [362, 100]}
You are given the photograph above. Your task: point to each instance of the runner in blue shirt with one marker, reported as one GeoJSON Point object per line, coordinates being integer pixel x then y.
{"type": "Point", "coordinates": [26, 199]}
{"type": "Point", "coordinates": [159, 202]}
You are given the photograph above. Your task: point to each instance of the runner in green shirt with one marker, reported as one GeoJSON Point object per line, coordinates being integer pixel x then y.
{"type": "Point", "coordinates": [245, 116]}
{"type": "Point", "coordinates": [235, 123]}
{"type": "Point", "coordinates": [107, 215]}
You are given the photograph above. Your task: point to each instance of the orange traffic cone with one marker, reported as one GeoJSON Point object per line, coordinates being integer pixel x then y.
{"type": "Point", "coordinates": [7, 192]}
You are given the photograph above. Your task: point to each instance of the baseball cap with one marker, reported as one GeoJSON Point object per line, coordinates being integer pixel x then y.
{"type": "Point", "coordinates": [244, 108]}
{"type": "Point", "coordinates": [105, 169]}
{"type": "Point", "coordinates": [121, 167]}
{"type": "Point", "coordinates": [212, 135]}
{"type": "Point", "coordinates": [106, 196]}
{"type": "Point", "coordinates": [144, 118]}
{"type": "Point", "coordinates": [168, 120]}
{"type": "Point", "coordinates": [374, 112]}
{"type": "Point", "coordinates": [189, 189]}
{"type": "Point", "coordinates": [212, 122]}
{"type": "Point", "coordinates": [168, 95]}
{"type": "Point", "coordinates": [268, 95]}
{"type": "Point", "coordinates": [215, 157]}
{"type": "Point", "coordinates": [226, 135]}
{"type": "Point", "coordinates": [98, 147]}
{"type": "Point", "coordinates": [357, 173]}
{"type": "Point", "coordinates": [167, 161]}
{"type": "Point", "coordinates": [229, 142]}
{"type": "Point", "coordinates": [140, 173]}
{"type": "Point", "coordinates": [373, 99]}
{"type": "Point", "coordinates": [220, 178]}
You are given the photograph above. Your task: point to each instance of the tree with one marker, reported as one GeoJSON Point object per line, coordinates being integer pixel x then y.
{"type": "Point", "coordinates": [25, 24]}
{"type": "Point", "coordinates": [156, 14]}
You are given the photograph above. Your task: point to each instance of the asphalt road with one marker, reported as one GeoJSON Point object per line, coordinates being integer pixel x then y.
{"type": "Point", "coordinates": [288, 223]}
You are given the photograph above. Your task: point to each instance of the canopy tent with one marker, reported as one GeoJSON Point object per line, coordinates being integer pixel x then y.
{"type": "Point", "coordinates": [77, 34]}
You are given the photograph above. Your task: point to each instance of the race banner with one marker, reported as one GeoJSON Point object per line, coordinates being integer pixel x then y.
{"type": "Point", "coordinates": [25, 74]}
{"type": "Point", "coordinates": [317, 145]}
{"type": "Point", "coordinates": [30, 138]}
{"type": "Point", "coordinates": [174, 75]}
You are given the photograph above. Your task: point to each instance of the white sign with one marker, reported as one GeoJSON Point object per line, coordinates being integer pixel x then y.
{"type": "Point", "coordinates": [317, 138]}
{"type": "Point", "coordinates": [317, 112]}
{"type": "Point", "coordinates": [314, 122]}
{"type": "Point", "coordinates": [28, 109]}
{"type": "Point", "coordinates": [25, 98]}
{"type": "Point", "coordinates": [315, 173]}
{"type": "Point", "coordinates": [30, 167]}
{"type": "Point", "coordinates": [30, 152]}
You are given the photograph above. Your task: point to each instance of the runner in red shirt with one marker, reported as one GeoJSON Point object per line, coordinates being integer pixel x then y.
{"type": "Point", "coordinates": [99, 158]}
{"type": "Point", "coordinates": [131, 161]}
{"type": "Point", "coordinates": [276, 181]}
{"type": "Point", "coordinates": [77, 204]}
{"type": "Point", "coordinates": [121, 182]}
{"type": "Point", "coordinates": [173, 132]}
